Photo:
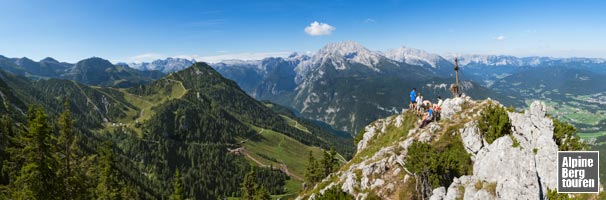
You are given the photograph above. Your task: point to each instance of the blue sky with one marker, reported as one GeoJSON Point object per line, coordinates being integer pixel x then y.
{"type": "Point", "coordinates": [134, 30]}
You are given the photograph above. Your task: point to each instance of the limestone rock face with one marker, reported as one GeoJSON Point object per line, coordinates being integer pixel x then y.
{"type": "Point", "coordinates": [450, 107]}
{"type": "Point", "coordinates": [535, 131]}
{"type": "Point", "coordinates": [472, 139]}
{"type": "Point", "coordinates": [511, 168]}
{"type": "Point", "coordinates": [500, 171]}
{"type": "Point", "coordinates": [438, 194]}
{"type": "Point", "coordinates": [518, 172]}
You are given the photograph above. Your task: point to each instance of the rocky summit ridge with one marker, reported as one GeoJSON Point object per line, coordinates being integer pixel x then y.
{"type": "Point", "coordinates": [519, 166]}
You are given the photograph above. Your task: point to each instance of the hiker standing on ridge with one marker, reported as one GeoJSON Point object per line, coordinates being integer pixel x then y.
{"type": "Point", "coordinates": [419, 104]}
{"type": "Point", "coordinates": [413, 99]}
{"type": "Point", "coordinates": [437, 108]}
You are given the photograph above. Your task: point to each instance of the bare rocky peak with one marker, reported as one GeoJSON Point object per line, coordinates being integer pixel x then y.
{"type": "Point", "coordinates": [340, 53]}
{"type": "Point", "coordinates": [522, 172]}
{"type": "Point", "coordinates": [413, 56]}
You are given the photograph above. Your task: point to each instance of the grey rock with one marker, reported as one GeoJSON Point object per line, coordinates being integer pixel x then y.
{"type": "Point", "coordinates": [453, 190]}
{"type": "Point", "coordinates": [520, 173]}
{"type": "Point", "coordinates": [377, 128]}
{"type": "Point", "coordinates": [484, 195]}
{"type": "Point", "coordinates": [378, 183]}
{"type": "Point", "coordinates": [472, 139]}
{"type": "Point", "coordinates": [349, 183]}
{"type": "Point", "coordinates": [515, 172]}
{"type": "Point", "coordinates": [433, 127]}
{"type": "Point", "coordinates": [425, 137]}
{"type": "Point", "coordinates": [438, 194]}
{"type": "Point", "coordinates": [450, 107]}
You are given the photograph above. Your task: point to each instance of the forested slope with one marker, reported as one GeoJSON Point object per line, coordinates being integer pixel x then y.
{"type": "Point", "coordinates": [137, 138]}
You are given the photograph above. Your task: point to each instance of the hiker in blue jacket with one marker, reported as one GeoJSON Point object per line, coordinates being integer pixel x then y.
{"type": "Point", "coordinates": [413, 99]}
{"type": "Point", "coordinates": [428, 117]}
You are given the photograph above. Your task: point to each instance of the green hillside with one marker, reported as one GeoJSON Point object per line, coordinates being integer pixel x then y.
{"type": "Point", "coordinates": [194, 121]}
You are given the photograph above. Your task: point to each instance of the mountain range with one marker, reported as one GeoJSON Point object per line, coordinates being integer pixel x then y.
{"type": "Point", "coordinates": [358, 76]}
{"type": "Point", "coordinates": [93, 71]}
{"type": "Point", "coordinates": [344, 84]}
{"type": "Point", "coordinates": [375, 84]}
{"type": "Point", "coordinates": [212, 121]}
{"type": "Point", "coordinates": [166, 66]}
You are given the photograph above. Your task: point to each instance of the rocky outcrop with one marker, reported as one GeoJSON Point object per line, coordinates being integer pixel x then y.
{"type": "Point", "coordinates": [376, 129]}
{"type": "Point", "coordinates": [501, 170]}
{"type": "Point", "coordinates": [472, 140]}
{"type": "Point", "coordinates": [523, 172]}
{"type": "Point", "coordinates": [438, 194]}
{"type": "Point", "coordinates": [451, 107]}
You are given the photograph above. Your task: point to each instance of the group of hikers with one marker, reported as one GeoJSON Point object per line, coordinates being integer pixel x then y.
{"type": "Point", "coordinates": [424, 108]}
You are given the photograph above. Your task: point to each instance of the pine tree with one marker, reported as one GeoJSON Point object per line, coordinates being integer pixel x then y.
{"type": "Point", "coordinates": [335, 193]}
{"type": "Point", "coordinates": [31, 113]}
{"type": "Point", "coordinates": [565, 136]}
{"type": "Point", "coordinates": [262, 194]}
{"type": "Point", "coordinates": [313, 172]}
{"type": "Point", "coordinates": [37, 178]}
{"type": "Point", "coordinates": [494, 122]}
{"type": "Point", "coordinates": [13, 159]}
{"type": "Point", "coordinates": [72, 174]}
{"type": "Point", "coordinates": [249, 184]}
{"type": "Point", "coordinates": [177, 187]}
{"type": "Point", "coordinates": [6, 133]}
{"type": "Point", "coordinates": [108, 187]}
{"type": "Point", "coordinates": [327, 164]}
{"type": "Point", "coordinates": [334, 161]}
{"type": "Point", "coordinates": [129, 192]}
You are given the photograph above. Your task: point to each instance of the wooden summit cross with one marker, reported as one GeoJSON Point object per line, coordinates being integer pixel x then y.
{"type": "Point", "coordinates": [454, 88]}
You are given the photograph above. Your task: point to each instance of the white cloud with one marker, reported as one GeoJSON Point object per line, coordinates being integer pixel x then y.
{"type": "Point", "coordinates": [318, 29]}
{"type": "Point", "coordinates": [500, 38]}
{"type": "Point", "coordinates": [369, 20]}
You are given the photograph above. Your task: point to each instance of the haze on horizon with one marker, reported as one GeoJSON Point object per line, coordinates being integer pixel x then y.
{"type": "Point", "coordinates": [135, 31]}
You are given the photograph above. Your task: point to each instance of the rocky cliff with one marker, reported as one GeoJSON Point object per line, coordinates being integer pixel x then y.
{"type": "Point", "coordinates": [517, 166]}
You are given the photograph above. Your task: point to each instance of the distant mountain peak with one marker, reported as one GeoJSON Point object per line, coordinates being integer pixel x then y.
{"type": "Point", "coordinates": [240, 62]}
{"type": "Point", "coordinates": [49, 60]}
{"type": "Point", "coordinates": [96, 60]}
{"type": "Point", "coordinates": [344, 47]}
{"type": "Point", "coordinates": [200, 75]}
{"type": "Point", "coordinates": [26, 59]}
{"type": "Point", "coordinates": [297, 55]}
{"type": "Point", "coordinates": [340, 52]}
{"type": "Point", "coordinates": [91, 66]}
{"type": "Point", "coordinates": [199, 68]}
{"type": "Point", "coordinates": [167, 65]}
{"type": "Point", "coordinates": [294, 54]}
{"type": "Point", "coordinates": [413, 56]}
{"type": "Point", "coordinates": [172, 59]}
